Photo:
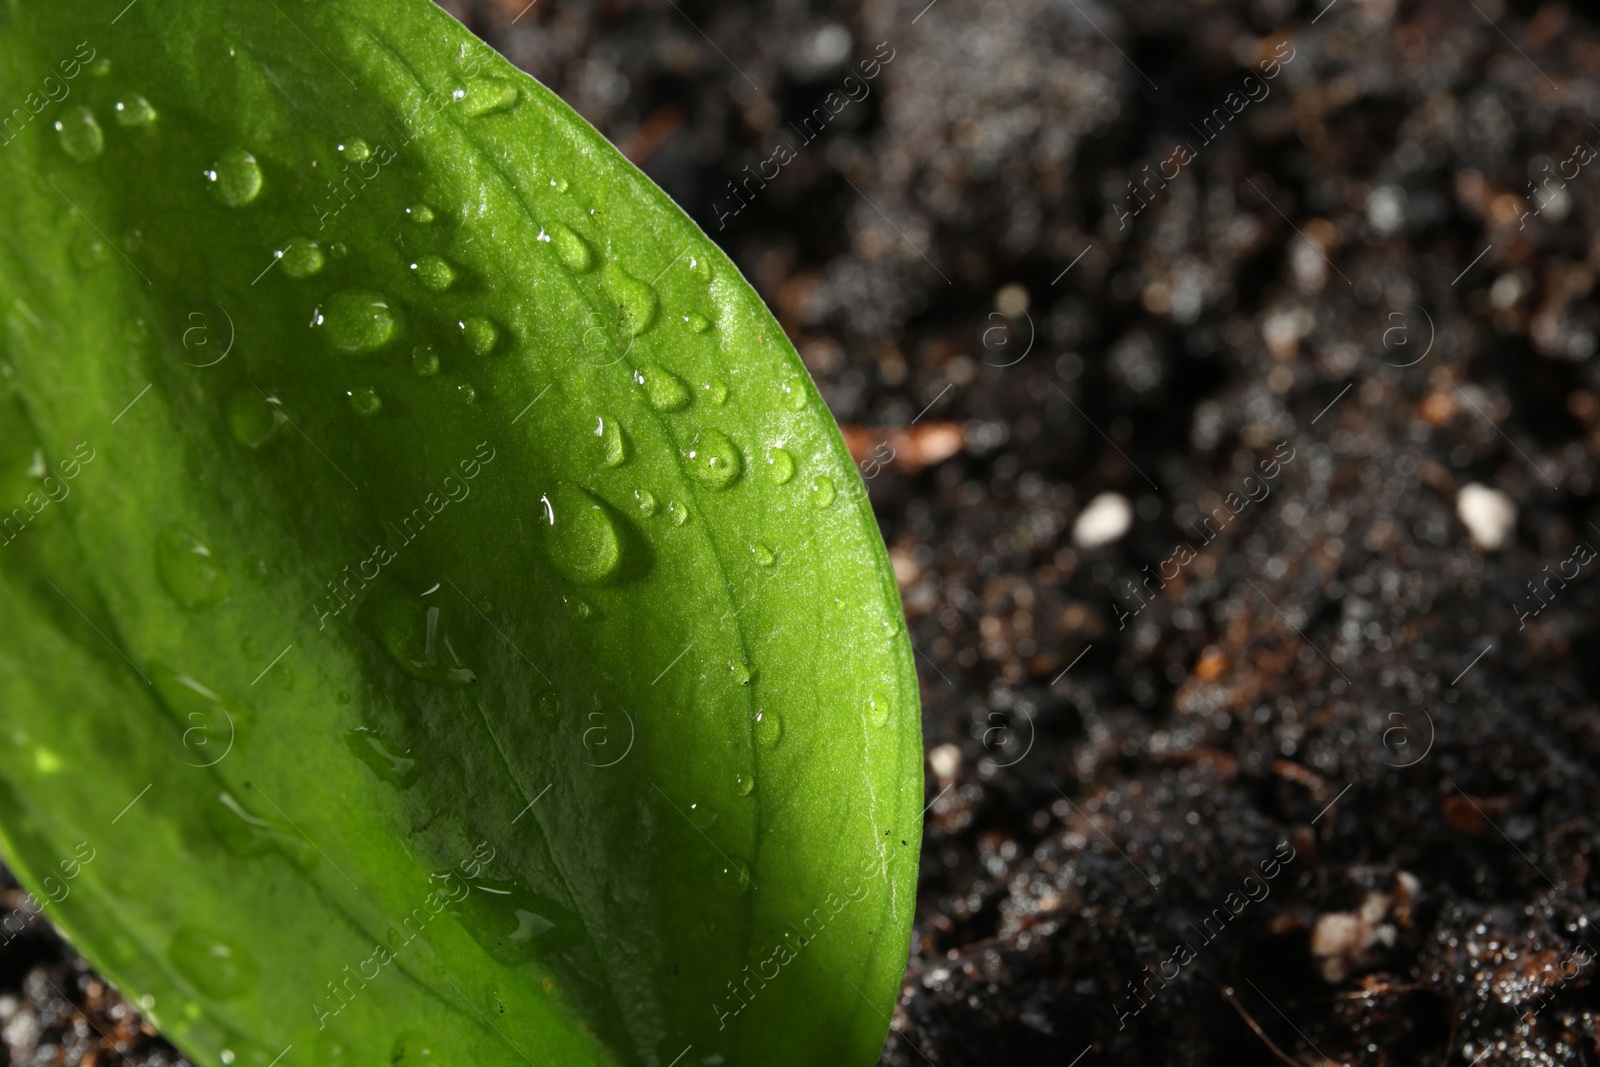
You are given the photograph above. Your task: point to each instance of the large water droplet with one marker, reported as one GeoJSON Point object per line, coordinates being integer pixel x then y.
{"type": "Point", "coordinates": [768, 729]}
{"type": "Point", "coordinates": [413, 1048]}
{"type": "Point", "coordinates": [733, 878]}
{"type": "Point", "coordinates": [420, 213]}
{"type": "Point", "coordinates": [636, 298]}
{"type": "Point", "coordinates": [251, 420]}
{"type": "Point", "coordinates": [411, 630]}
{"type": "Point", "coordinates": [480, 334]}
{"type": "Point", "coordinates": [613, 442]}
{"type": "Point", "coordinates": [582, 538]}
{"type": "Point", "coordinates": [356, 150]}
{"type": "Point", "coordinates": [763, 554]}
{"type": "Point", "coordinates": [573, 251]}
{"type": "Point", "coordinates": [646, 501]}
{"type": "Point", "coordinates": [302, 257]}
{"type": "Point", "coordinates": [744, 783]}
{"type": "Point", "coordinates": [80, 135]}
{"type": "Point", "coordinates": [739, 672]}
{"type": "Point", "coordinates": [435, 272]}
{"type": "Point", "coordinates": [663, 390]}
{"type": "Point", "coordinates": [364, 400]}
{"type": "Point", "coordinates": [780, 465]}
{"type": "Point", "coordinates": [187, 569]}
{"type": "Point", "coordinates": [514, 924]}
{"type": "Point", "coordinates": [134, 110]}
{"type": "Point", "coordinates": [697, 322]}
{"type": "Point", "coordinates": [678, 512]}
{"type": "Point", "coordinates": [822, 491]}
{"type": "Point", "coordinates": [357, 320]}
{"type": "Point", "coordinates": [712, 459]}
{"type": "Point", "coordinates": [235, 178]}
{"type": "Point", "coordinates": [485, 96]}
{"type": "Point", "coordinates": [214, 965]}
{"type": "Point", "coordinates": [396, 768]}
{"type": "Point", "coordinates": [715, 391]}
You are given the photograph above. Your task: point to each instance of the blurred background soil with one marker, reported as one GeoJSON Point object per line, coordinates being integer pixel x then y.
{"type": "Point", "coordinates": [1328, 743]}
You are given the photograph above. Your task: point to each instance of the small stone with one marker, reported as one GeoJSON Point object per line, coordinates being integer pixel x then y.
{"type": "Point", "coordinates": [1105, 520]}
{"type": "Point", "coordinates": [1488, 514]}
{"type": "Point", "coordinates": [945, 761]}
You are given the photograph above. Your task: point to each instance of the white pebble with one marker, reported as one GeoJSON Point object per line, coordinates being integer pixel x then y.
{"type": "Point", "coordinates": [1488, 514]}
{"type": "Point", "coordinates": [1106, 519]}
{"type": "Point", "coordinates": [945, 761]}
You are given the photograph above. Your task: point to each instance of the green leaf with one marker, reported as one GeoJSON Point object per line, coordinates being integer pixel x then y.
{"type": "Point", "coordinates": [442, 621]}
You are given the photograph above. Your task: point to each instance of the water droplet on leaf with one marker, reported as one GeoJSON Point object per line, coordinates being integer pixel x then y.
{"type": "Point", "coordinates": [425, 361]}
{"type": "Point", "coordinates": [794, 394]}
{"type": "Point", "coordinates": [356, 150]}
{"type": "Point", "coordinates": [187, 569]}
{"type": "Point", "coordinates": [357, 320]}
{"type": "Point", "coordinates": [877, 709]}
{"type": "Point", "coordinates": [698, 322]}
{"type": "Point", "coordinates": [780, 465]}
{"type": "Point", "coordinates": [420, 213]}
{"type": "Point", "coordinates": [702, 815]}
{"type": "Point", "coordinates": [480, 334]}
{"type": "Point", "coordinates": [572, 250]}
{"type": "Point", "coordinates": [134, 110]}
{"type": "Point", "coordinates": [89, 251]}
{"type": "Point", "coordinates": [613, 442]}
{"type": "Point", "coordinates": [733, 878]}
{"type": "Point", "coordinates": [302, 257]}
{"type": "Point", "coordinates": [247, 834]}
{"type": "Point", "coordinates": [364, 400]}
{"type": "Point", "coordinates": [252, 421]}
{"type": "Point", "coordinates": [739, 672]}
{"type": "Point", "coordinates": [678, 512]}
{"type": "Point", "coordinates": [412, 631]}
{"type": "Point", "coordinates": [646, 501]}
{"type": "Point", "coordinates": [396, 768]}
{"type": "Point", "coordinates": [768, 728]}
{"type": "Point", "coordinates": [663, 390]}
{"type": "Point", "coordinates": [514, 924]}
{"type": "Point", "coordinates": [581, 536]}
{"type": "Point", "coordinates": [485, 96]}
{"type": "Point", "coordinates": [412, 1048]}
{"type": "Point", "coordinates": [235, 177]}
{"type": "Point", "coordinates": [80, 135]}
{"type": "Point", "coordinates": [550, 704]}
{"type": "Point", "coordinates": [744, 784]}
{"type": "Point", "coordinates": [636, 299]}
{"type": "Point", "coordinates": [435, 272]}
{"type": "Point", "coordinates": [822, 491]}
{"type": "Point", "coordinates": [712, 459]}
{"type": "Point", "coordinates": [763, 554]}
{"type": "Point", "coordinates": [212, 964]}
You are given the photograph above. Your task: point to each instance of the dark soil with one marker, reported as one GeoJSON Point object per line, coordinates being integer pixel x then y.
{"type": "Point", "coordinates": [1319, 794]}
